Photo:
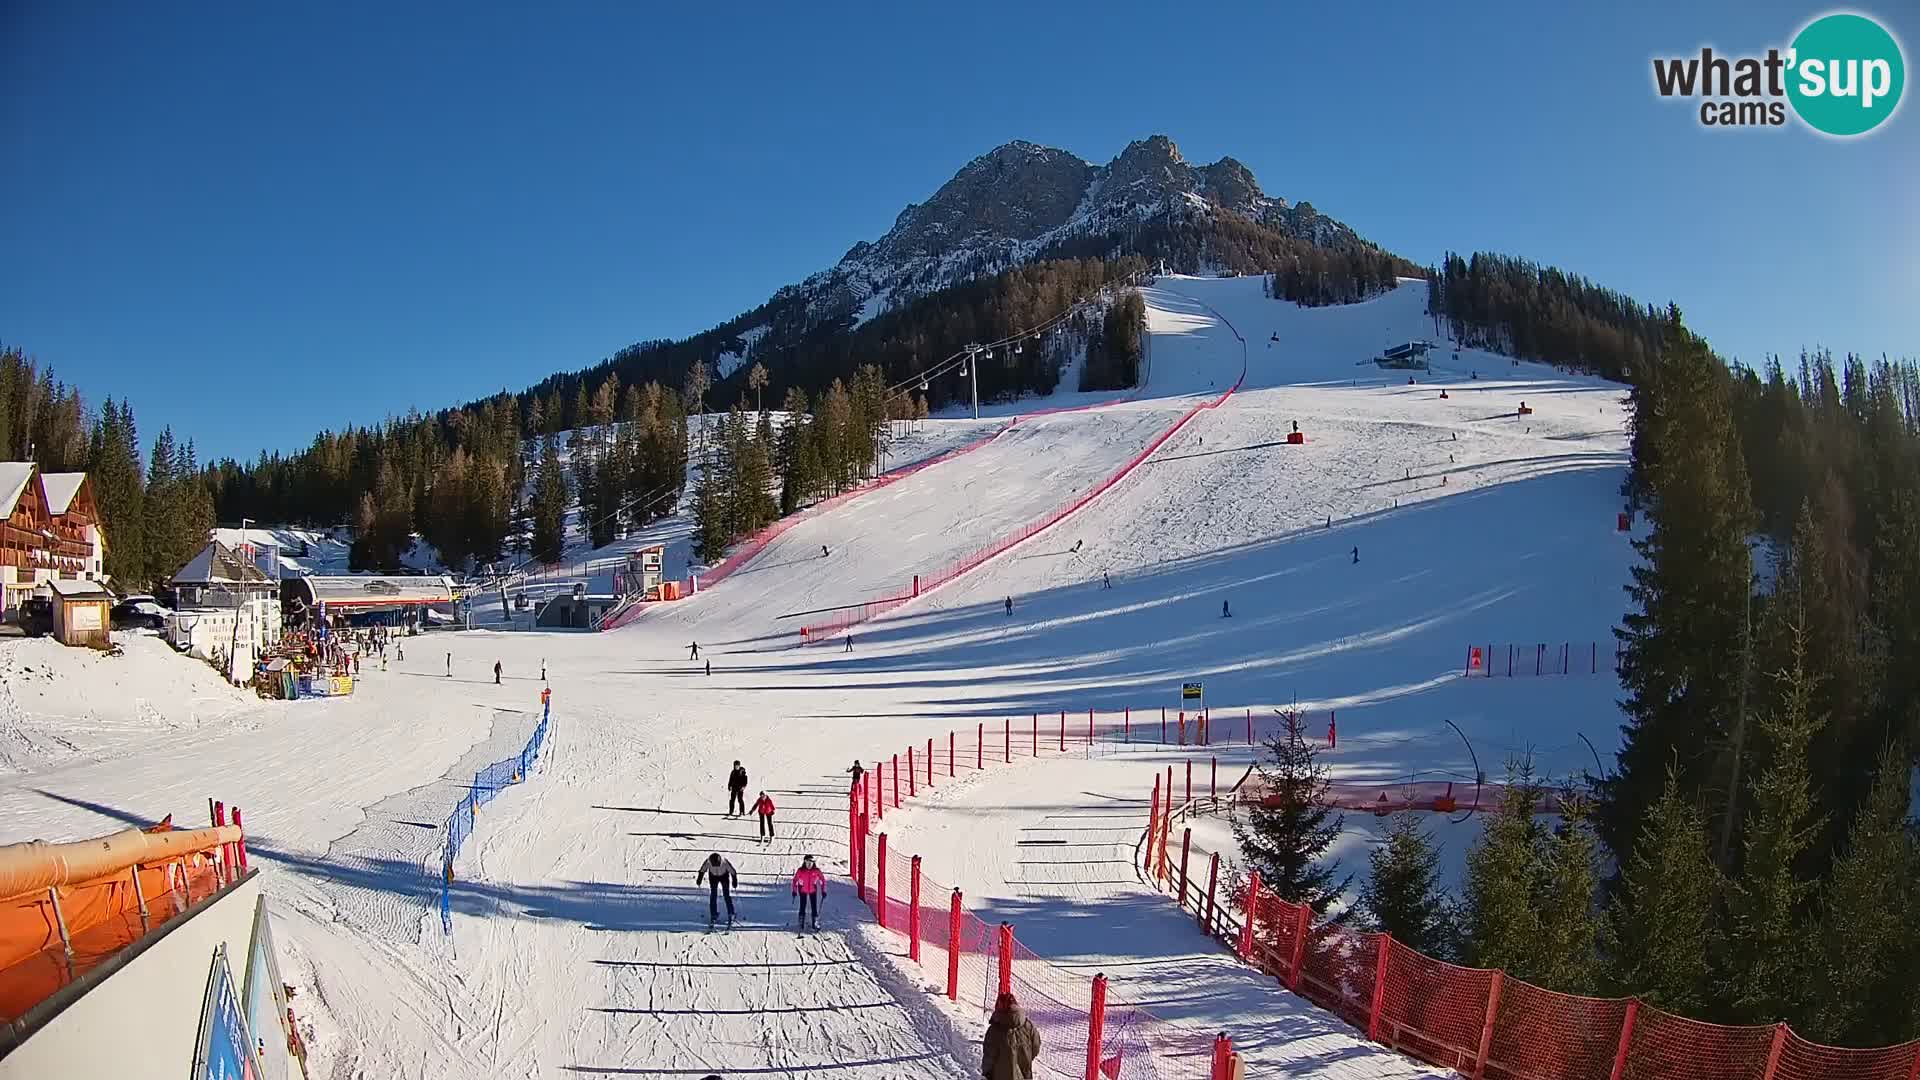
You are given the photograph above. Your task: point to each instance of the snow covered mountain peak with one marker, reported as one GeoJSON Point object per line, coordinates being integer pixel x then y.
{"type": "Point", "coordinates": [1021, 201]}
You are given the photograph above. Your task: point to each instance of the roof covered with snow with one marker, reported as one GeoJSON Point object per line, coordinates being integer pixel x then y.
{"type": "Point", "coordinates": [218, 564]}
{"type": "Point", "coordinates": [68, 589]}
{"type": "Point", "coordinates": [13, 480]}
{"type": "Point", "coordinates": [61, 487]}
{"type": "Point", "coordinates": [376, 591]}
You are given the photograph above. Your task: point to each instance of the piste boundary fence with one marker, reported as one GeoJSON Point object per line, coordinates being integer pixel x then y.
{"type": "Point", "coordinates": [488, 782]}
{"type": "Point", "coordinates": [1495, 660]}
{"type": "Point", "coordinates": [926, 582]}
{"type": "Point", "coordinates": [1480, 1022]}
{"type": "Point", "coordinates": [1086, 1030]}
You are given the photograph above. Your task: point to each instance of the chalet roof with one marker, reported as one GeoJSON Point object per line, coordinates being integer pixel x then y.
{"type": "Point", "coordinates": [217, 564]}
{"type": "Point", "coordinates": [61, 487]}
{"type": "Point", "coordinates": [14, 476]}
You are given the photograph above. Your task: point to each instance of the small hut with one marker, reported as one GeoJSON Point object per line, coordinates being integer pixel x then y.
{"type": "Point", "coordinates": [80, 613]}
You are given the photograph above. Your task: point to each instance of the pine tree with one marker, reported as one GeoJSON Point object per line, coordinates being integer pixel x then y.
{"type": "Point", "coordinates": [1682, 647]}
{"type": "Point", "coordinates": [163, 508]}
{"type": "Point", "coordinates": [796, 484]}
{"type": "Point", "coordinates": [1284, 834]}
{"type": "Point", "coordinates": [710, 535]}
{"type": "Point", "coordinates": [1403, 895]}
{"type": "Point", "coordinates": [1664, 927]}
{"type": "Point", "coordinates": [1768, 948]}
{"type": "Point", "coordinates": [1864, 993]}
{"type": "Point", "coordinates": [757, 381]}
{"type": "Point", "coordinates": [1501, 918]}
{"type": "Point", "coordinates": [1566, 958]}
{"type": "Point", "coordinates": [445, 526]}
{"type": "Point", "coordinates": [550, 500]}
{"type": "Point", "coordinates": [114, 465]}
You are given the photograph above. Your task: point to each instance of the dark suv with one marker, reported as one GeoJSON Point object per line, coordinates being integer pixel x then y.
{"type": "Point", "coordinates": [36, 616]}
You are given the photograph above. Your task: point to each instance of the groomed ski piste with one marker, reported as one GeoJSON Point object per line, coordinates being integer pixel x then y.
{"type": "Point", "coordinates": [580, 944]}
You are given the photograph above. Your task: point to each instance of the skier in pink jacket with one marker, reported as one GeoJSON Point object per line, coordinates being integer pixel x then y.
{"type": "Point", "coordinates": [809, 884]}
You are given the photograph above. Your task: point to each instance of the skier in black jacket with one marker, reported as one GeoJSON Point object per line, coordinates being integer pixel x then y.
{"type": "Point", "coordinates": [721, 879]}
{"type": "Point", "coordinates": [737, 790]}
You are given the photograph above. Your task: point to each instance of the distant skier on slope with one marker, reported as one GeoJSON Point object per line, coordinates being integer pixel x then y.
{"type": "Point", "coordinates": [809, 884]}
{"type": "Point", "coordinates": [720, 879]}
{"type": "Point", "coordinates": [1076, 547]}
{"type": "Point", "coordinates": [1009, 605]}
{"type": "Point", "coordinates": [737, 790]}
{"type": "Point", "coordinates": [763, 808]}
{"type": "Point", "coordinates": [1356, 555]}
{"type": "Point", "coordinates": [857, 772]}
{"type": "Point", "coordinates": [1106, 580]}
{"type": "Point", "coordinates": [693, 650]}
{"type": "Point", "coordinates": [823, 551]}
{"type": "Point", "coordinates": [1226, 611]}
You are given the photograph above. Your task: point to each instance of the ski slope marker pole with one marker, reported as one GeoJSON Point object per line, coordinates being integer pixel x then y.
{"type": "Point", "coordinates": [1186, 843]}
{"type": "Point", "coordinates": [1096, 1026]}
{"type": "Point", "coordinates": [1063, 731]}
{"type": "Point", "coordinates": [1006, 959]}
{"type": "Point", "coordinates": [980, 747]}
{"type": "Point", "coordinates": [951, 767]}
{"type": "Point", "coordinates": [1006, 737]}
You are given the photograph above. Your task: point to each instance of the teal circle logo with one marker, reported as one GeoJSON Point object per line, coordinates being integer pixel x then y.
{"type": "Point", "coordinates": [1846, 74]}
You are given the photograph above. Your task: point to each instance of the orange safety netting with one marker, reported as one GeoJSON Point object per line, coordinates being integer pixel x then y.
{"type": "Point", "coordinates": [1437, 1012]}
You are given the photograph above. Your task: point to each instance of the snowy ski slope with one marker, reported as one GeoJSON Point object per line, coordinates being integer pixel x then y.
{"type": "Point", "coordinates": [580, 946]}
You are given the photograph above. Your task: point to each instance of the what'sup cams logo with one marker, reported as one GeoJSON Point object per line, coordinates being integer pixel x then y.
{"type": "Point", "coordinates": [1842, 76]}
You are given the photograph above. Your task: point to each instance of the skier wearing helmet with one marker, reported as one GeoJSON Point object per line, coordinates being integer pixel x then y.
{"type": "Point", "coordinates": [809, 885]}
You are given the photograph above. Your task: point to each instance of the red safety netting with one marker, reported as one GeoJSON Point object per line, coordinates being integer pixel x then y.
{"type": "Point", "coordinates": [1437, 1012]}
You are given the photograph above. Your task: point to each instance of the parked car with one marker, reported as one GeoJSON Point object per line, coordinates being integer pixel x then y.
{"type": "Point", "coordinates": [139, 611]}
{"type": "Point", "coordinates": [36, 616]}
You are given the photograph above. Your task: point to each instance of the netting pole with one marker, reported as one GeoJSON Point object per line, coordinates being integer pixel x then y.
{"type": "Point", "coordinates": [911, 772]}
{"type": "Point", "coordinates": [1186, 843]}
{"type": "Point", "coordinates": [1096, 1025]}
{"type": "Point", "coordinates": [1006, 737]}
{"type": "Point", "coordinates": [1773, 1052]}
{"type": "Point", "coordinates": [1626, 1040]}
{"type": "Point", "coordinates": [896, 781]}
{"type": "Point", "coordinates": [913, 913]}
{"type": "Point", "coordinates": [1153, 820]}
{"type": "Point", "coordinates": [1189, 799]}
{"type": "Point", "coordinates": [1126, 725]}
{"type": "Point", "coordinates": [1213, 881]}
{"type": "Point", "coordinates": [880, 887]}
{"type": "Point", "coordinates": [980, 747]}
{"type": "Point", "coordinates": [1509, 660]}
{"type": "Point", "coordinates": [853, 834]}
{"type": "Point", "coordinates": [1036, 734]}
{"type": "Point", "coordinates": [1486, 1026]}
{"type": "Point", "coordinates": [1467, 672]}
{"type": "Point", "coordinates": [1249, 727]}
{"type": "Point", "coordinates": [1063, 731]}
{"type": "Point", "coordinates": [1163, 725]}
{"type": "Point", "coordinates": [1089, 727]}
{"type": "Point", "coordinates": [1301, 917]}
{"type": "Point", "coordinates": [1006, 958]}
{"type": "Point", "coordinates": [1213, 785]}
{"type": "Point", "coordinates": [879, 776]}
{"type": "Point", "coordinates": [929, 761]}
{"type": "Point", "coordinates": [1253, 912]}
{"type": "Point", "coordinates": [952, 769]}
{"type": "Point", "coordinates": [1385, 941]}
{"type": "Point", "coordinates": [953, 949]}
{"type": "Point", "coordinates": [242, 842]}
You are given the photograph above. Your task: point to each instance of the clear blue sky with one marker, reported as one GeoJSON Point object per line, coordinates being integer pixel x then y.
{"type": "Point", "coordinates": [257, 221]}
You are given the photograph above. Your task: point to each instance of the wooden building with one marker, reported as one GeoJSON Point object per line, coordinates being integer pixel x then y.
{"type": "Point", "coordinates": [49, 531]}
{"type": "Point", "coordinates": [81, 613]}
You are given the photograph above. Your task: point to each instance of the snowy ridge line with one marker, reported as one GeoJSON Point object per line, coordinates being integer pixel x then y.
{"type": "Point", "coordinates": [925, 583]}
{"type": "Point", "coordinates": [1120, 1040]}
{"type": "Point", "coordinates": [1479, 1021]}
{"type": "Point", "coordinates": [487, 783]}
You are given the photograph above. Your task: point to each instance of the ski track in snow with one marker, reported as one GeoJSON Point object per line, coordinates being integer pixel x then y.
{"type": "Point", "coordinates": [580, 945]}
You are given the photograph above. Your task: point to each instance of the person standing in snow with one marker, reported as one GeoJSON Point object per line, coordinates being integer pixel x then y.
{"type": "Point", "coordinates": [1012, 1043]}
{"type": "Point", "coordinates": [849, 643]}
{"type": "Point", "coordinates": [1009, 605]}
{"type": "Point", "coordinates": [709, 667]}
{"type": "Point", "coordinates": [1106, 580]}
{"type": "Point", "coordinates": [693, 650]}
{"type": "Point", "coordinates": [496, 673]}
{"type": "Point", "coordinates": [823, 551]}
{"type": "Point", "coordinates": [543, 669]}
{"type": "Point", "coordinates": [721, 879]}
{"type": "Point", "coordinates": [1225, 611]}
{"type": "Point", "coordinates": [1356, 555]}
{"type": "Point", "coordinates": [856, 772]}
{"type": "Point", "coordinates": [809, 885]}
{"type": "Point", "coordinates": [737, 790]}
{"type": "Point", "coordinates": [449, 665]}
{"type": "Point", "coordinates": [763, 808]}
